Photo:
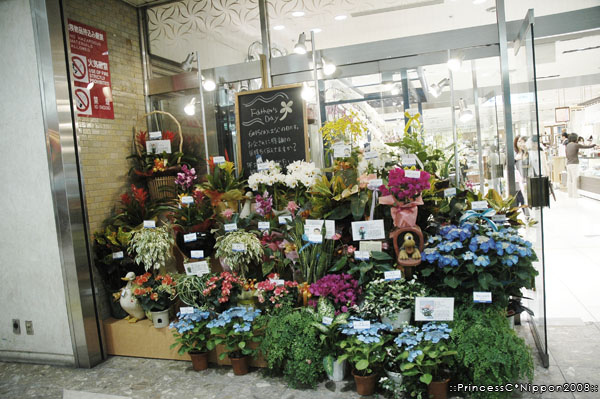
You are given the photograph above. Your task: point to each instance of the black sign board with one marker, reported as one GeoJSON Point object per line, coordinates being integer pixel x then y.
{"type": "Point", "coordinates": [271, 123]}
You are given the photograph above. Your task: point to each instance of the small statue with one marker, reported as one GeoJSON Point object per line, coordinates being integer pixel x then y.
{"type": "Point", "coordinates": [128, 302]}
{"type": "Point", "coordinates": [409, 248]}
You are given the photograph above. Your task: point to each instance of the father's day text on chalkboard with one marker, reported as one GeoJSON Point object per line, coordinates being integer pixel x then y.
{"type": "Point", "coordinates": [272, 124]}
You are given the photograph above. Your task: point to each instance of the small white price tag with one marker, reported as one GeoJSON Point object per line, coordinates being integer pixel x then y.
{"type": "Point", "coordinates": [117, 255]}
{"type": "Point", "coordinates": [155, 135]}
{"type": "Point", "coordinates": [374, 184]}
{"type": "Point", "coordinates": [361, 325]}
{"type": "Point", "coordinates": [361, 255]}
{"type": "Point", "coordinates": [412, 174]}
{"type": "Point", "coordinates": [186, 310]}
{"type": "Point", "coordinates": [197, 254]}
{"type": "Point", "coordinates": [191, 237]}
{"type": "Point", "coordinates": [238, 247]}
{"type": "Point", "coordinates": [262, 166]}
{"type": "Point", "coordinates": [264, 225]}
{"type": "Point", "coordinates": [188, 199]}
{"type": "Point", "coordinates": [342, 151]}
{"type": "Point", "coordinates": [499, 218]}
{"type": "Point", "coordinates": [479, 205]}
{"type": "Point", "coordinates": [230, 227]}
{"type": "Point", "coordinates": [409, 160]}
{"type": "Point", "coordinates": [218, 160]}
{"type": "Point", "coordinates": [392, 275]}
{"type": "Point", "coordinates": [315, 238]}
{"type": "Point", "coordinates": [327, 320]}
{"type": "Point", "coordinates": [450, 192]}
{"type": "Point", "coordinates": [277, 281]}
{"type": "Point", "coordinates": [371, 155]}
{"type": "Point", "coordinates": [149, 224]}
{"type": "Point", "coordinates": [284, 219]}
{"type": "Point", "coordinates": [196, 268]}
{"type": "Point", "coordinates": [482, 297]}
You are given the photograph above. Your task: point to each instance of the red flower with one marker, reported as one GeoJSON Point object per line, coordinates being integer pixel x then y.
{"type": "Point", "coordinates": [168, 135]}
{"type": "Point", "coordinates": [139, 194]}
{"type": "Point", "coordinates": [154, 296]}
{"type": "Point", "coordinates": [138, 291]}
{"type": "Point", "coordinates": [125, 199]}
{"type": "Point", "coordinates": [141, 138]}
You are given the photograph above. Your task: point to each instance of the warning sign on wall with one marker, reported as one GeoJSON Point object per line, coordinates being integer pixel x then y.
{"type": "Point", "coordinates": [91, 73]}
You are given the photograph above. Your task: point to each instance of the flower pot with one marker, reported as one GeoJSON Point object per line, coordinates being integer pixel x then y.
{"type": "Point", "coordinates": [395, 377]}
{"type": "Point", "coordinates": [240, 365]}
{"type": "Point", "coordinates": [438, 389]}
{"type": "Point", "coordinates": [199, 360]}
{"type": "Point", "coordinates": [365, 386]}
{"type": "Point", "coordinates": [511, 322]}
{"type": "Point", "coordinates": [339, 371]}
{"type": "Point", "coordinates": [160, 318]}
{"type": "Point", "coordinates": [399, 319]}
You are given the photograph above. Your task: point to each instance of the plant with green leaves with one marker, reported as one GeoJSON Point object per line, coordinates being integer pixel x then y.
{"type": "Point", "coordinates": [191, 331]}
{"type": "Point", "coordinates": [292, 346]}
{"type": "Point", "coordinates": [387, 298]}
{"type": "Point", "coordinates": [364, 345]}
{"type": "Point", "coordinates": [152, 246]}
{"type": "Point", "coordinates": [426, 355]}
{"type": "Point", "coordinates": [234, 329]}
{"type": "Point", "coordinates": [489, 352]}
{"type": "Point", "coordinates": [189, 290]}
{"type": "Point", "coordinates": [364, 270]}
{"type": "Point", "coordinates": [240, 249]}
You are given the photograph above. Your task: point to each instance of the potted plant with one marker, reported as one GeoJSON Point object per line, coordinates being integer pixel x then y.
{"type": "Point", "coordinates": [222, 187]}
{"type": "Point", "coordinates": [152, 247]}
{"type": "Point", "coordinates": [233, 329]}
{"type": "Point", "coordinates": [341, 290]}
{"type": "Point", "coordinates": [192, 335]}
{"type": "Point", "coordinates": [189, 290]}
{"type": "Point", "coordinates": [221, 290]}
{"type": "Point", "coordinates": [155, 294]}
{"type": "Point", "coordinates": [238, 250]}
{"type": "Point", "coordinates": [426, 357]}
{"type": "Point", "coordinates": [364, 347]}
{"type": "Point", "coordinates": [392, 301]}
{"type": "Point", "coordinates": [276, 295]}
{"type": "Point", "coordinates": [135, 207]}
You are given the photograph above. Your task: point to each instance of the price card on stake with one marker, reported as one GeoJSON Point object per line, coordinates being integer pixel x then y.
{"type": "Point", "coordinates": [186, 310]}
{"type": "Point", "coordinates": [361, 325]}
{"type": "Point", "coordinates": [149, 224]}
{"type": "Point", "coordinates": [187, 200]}
{"type": "Point", "coordinates": [412, 174]}
{"type": "Point", "coordinates": [315, 238]}
{"type": "Point", "coordinates": [479, 205]}
{"type": "Point", "coordinates": [374, 184]}
{"type": "Point", "coordinates": [238, 247]}
{"type": "Point", "coordinates": [277, 281]}
{"type": "Point", "coordinates": [361, 255]}
{"type": "Point", "coordinates": [284, 219]}
{"type": "Point", "coordinates": [155, 135]}
{"type": "Point", "coordinates": [117, 255]}
{"type": "Point", "coordinates": [230, 227]}
{"type": "Point", "coordinates": [434, 309]}
{"type": "Point", "coordinates": [191, 237]}
{"type": "Point", "coordinates": [342, 151]}
{"type": "Point", "coordinates": [327, 320]}
{"type": "Point", "coordinates": [262, 166]}
{"type": "Point", "coordinates": [264, 225]}
{"type": "Point", "coordinates": [409, 160]}
{"type": "Point", "coordinates": [450, 192]}
{"type": "Point", "coordinates": [197, 254]}
{"type": "Point", "coordinates": [499, 218]}
{"type": "Point", "coordinates": [196, 268]}
{"type": "Point", "coordinates": [392, 275]}
{"type": "Point", "coordinates": [482, 297]}
{"type": "Point", "coordinates": [371, 155]}
{"type": "Point", "coordinates": [218, 160]}
{"type": "Point", "coordinates": [370, 246]}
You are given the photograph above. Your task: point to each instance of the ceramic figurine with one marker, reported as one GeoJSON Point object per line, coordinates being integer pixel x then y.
{"type": "Point", "coordinates": [128, 302]}
{"type": "Point", "coordinates": [247, 208]}
{"type": "Point", "coordinates": [409, 248]}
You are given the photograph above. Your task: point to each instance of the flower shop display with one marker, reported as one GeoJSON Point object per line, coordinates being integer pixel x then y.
{"type": "Point", "coordinates": [361, 269]}
{"type": "Point", "coordinates": [276, 295]}
{"type": "Point", "coordinates": [426, 359]}
{"type": "Point", "coordinates": [341, 290]}
{"type": "Point", "coordinates": [192, 335]}
{"type": "Point", "coordinates": [155, 294]}
{"type": "Point", "coordinates": [364, 347]}
{"type": "Point", "coordinates": [234, 329]}
{"type": "Point", "coordinates": [135, 208]}
{"type": "Point", "coordinates": [239, 250]}
{"type": "Point", "coordinates": [221, 291]}
{"type": "Point", "coordinates": [329, 325]}
{"type": "Point", "coordinates": [129, 302]}
{"type": "Point", "coordinates": [403, 194]}
{"type": "Point", "coordinates": [152, 247]}
{"type": "Point", "coordinates": [193, 216]}
{"type": "Point", "coordinates": [222, 187]}
{"type": "Point", "coordinates": [190, 290]}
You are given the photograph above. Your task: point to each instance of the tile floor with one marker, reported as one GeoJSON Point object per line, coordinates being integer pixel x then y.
{"type": "Point", "coordinates": [572, 239]}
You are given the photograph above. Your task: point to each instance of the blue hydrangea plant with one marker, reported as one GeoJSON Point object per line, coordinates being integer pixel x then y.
{"type": "Point", "coordinates": [234, 329]}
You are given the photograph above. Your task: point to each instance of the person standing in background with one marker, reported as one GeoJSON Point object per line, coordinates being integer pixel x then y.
{"type": "Point", "coordinates": [521, 159]}
{"type": "Point", "coordinates": [563, 144]}
{"type": "Point", "coordinates": [573, 164]}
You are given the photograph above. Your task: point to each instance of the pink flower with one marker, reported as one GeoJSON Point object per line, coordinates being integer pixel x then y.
{"type": "Point", "coordinates": [292, 207]}
{"type": "Point", "coordinates": [227, 213]}
{"type": "Point", "coordinates": [350, 249]}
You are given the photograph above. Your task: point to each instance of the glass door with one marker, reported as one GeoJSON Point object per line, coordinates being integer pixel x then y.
{"type": "Point", "coordinates": [531, 169]}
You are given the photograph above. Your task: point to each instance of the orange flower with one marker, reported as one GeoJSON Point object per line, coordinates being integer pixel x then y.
{"type": "Point", "coordinates": [138, 291]}
{"type": "Point", "coordinates": [159, 165]}
{"type": "Point", "coordinates": [154, 296]}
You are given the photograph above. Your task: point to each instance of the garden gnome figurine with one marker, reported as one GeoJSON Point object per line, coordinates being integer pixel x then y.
{"type": "Point", "coordinates": [128, 302]}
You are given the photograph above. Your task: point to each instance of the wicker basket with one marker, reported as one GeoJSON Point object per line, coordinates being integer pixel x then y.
{"type": "Point", "coordinates": [160, 187]}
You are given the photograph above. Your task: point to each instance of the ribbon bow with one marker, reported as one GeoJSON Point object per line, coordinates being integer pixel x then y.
{"type": "Point", "coordinates": [485, 215]}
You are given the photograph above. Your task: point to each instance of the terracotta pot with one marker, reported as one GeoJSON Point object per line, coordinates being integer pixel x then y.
{"type": "Point", "coordinates": [199, 360]}
{"type": "Point", "coordinates": [240, 365]}
{"type": "Point", "coordinates": [365, 386]}
{"type": "Point", "coordinates": [438, 389]}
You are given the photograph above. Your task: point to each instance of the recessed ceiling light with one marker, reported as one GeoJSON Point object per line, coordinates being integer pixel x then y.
{"type": "Point", "coordinates": [340, 17]}
{"type": "Point", "coordinates": [298, 14]}
{"type": "Point", "coordinates": [316, 30]}
{"type": "Point", "coordinates": [279, 27]}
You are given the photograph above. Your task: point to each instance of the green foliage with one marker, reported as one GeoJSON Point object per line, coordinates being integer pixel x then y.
{"type": "Point", "coordinates": [152, 246]}
{"type": "Point", "coordinates": [329, 331]}
{"type": "Point", "coordinates": [489, 351]}
{"type": "Point", "coordinates": [313, 259]}
{"type": "Point", "coordinates": [385, 298]}
{"type": "Point", "coordinates": [189, 289]}
{"type": "Point", "coordinates": [191, 332]}
{"type": "Point", "coordinates": [367, 358]}
{"type": "Point", "coordinates": [364, 271]}
{"type": "Point", "coordinates": [292, 345]}
{"type": "Point", "coordinates": [240, 260]}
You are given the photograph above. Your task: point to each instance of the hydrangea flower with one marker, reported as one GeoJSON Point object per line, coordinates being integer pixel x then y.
{"type": "Point", "coordinates": [510, 260]}
{"type": "Point", "coordinates": [368, 335]}
{"type": "Point", "coordinates": [468, 255]}
{"type": "Point", "coordinates": [482, 260]}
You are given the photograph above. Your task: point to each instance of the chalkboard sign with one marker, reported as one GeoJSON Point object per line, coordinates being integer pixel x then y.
{"type": "Point", "coordinates": [272, 124]}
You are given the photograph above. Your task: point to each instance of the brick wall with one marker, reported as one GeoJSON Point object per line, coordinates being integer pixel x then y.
{"type": "Point", "coordinates": [106, 143]}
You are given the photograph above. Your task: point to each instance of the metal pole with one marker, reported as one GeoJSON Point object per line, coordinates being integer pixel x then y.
{"type": "Point", "coordinates": [508, 128]}
{"type": "Point", "coordinates": [454, 132]}
{"type": "Point", "coordinates": [405, 93]}
{"type": "Point", "coordinates": [478, 125]}
{"type": "Point", "coordinates": [146, 72]}
{"type": "Point", "coordinates": [317, 96]}
{"type": "Point", "coordinates": [201, 91]}
{"type": "Point", "coordinates": [265, 38]}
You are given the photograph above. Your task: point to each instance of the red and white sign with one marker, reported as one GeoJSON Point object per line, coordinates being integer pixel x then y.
{"type": "Point", "coordinates": [91, 73]}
